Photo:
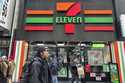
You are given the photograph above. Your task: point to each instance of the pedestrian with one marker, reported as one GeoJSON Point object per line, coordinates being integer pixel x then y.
{"type": "Point", "coordinates": [3, 69]}
{"type": "Point", "coordinates": [11, 67]}
{"type": "Point", "coordinates": [74, 72]}
{"type": "Point", "coordinates": [39, 69]}
{"type": "Point", "coordinates": [54, 69]}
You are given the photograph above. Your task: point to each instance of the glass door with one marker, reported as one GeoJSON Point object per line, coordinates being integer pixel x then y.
{"type": "Point", "coordinates": [63, 62]}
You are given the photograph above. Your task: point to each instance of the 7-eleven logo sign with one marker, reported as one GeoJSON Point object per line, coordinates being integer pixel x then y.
{"type": "Point", "coordinates": [66, 14]}
{"type": "Point", "coordinates": [71, 9]}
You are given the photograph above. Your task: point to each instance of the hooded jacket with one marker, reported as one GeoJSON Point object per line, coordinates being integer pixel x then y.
{"type": "Point", "coordinates": [40, 72]}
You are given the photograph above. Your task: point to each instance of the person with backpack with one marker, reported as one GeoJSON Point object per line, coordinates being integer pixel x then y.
{"type": "Point", "coordinates": [38, 70]}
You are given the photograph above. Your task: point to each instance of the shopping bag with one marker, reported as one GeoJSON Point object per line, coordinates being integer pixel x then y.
{"type": "Point", "coordinates": [9, 80]}
{"type": "Point", "coordinates": [80, 70]}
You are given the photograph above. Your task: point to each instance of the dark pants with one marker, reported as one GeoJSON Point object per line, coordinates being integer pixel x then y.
{"type": "Point", "coordinates": [3, 80]}
{"type": "Point", "coordinates": [75, 78]}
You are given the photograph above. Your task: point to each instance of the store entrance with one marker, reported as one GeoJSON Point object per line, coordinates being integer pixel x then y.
{"type": "Point", "coordinates": [92, 60]}
{"type": "Point", "coordinates": [65, 56]}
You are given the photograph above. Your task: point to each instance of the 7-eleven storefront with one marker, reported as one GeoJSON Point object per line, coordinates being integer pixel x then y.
{"type": "Point", "coordinates": [115, 57]}
{"type": "Point", "coordinates": [84, 30]}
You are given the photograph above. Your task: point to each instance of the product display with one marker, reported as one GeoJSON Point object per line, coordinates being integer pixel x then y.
{"type": "Point", "coordinates": [97, 74]}
{"type": "Point", "coordinates": [95, 57]}
{"type": "Point", "coordinates": [96, 67]}
{"type": "Point", "coordinates": [106, 68]}
{"type": "Point", "coordinates": [114, 73]}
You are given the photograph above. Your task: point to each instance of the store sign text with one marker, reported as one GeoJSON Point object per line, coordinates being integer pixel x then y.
{"type": "Point", "coordinates": [66, 19]}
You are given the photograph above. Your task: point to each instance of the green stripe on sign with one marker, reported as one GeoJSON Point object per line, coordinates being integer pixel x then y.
{"type": "Point", "coordinates": [39, 20]}
{"type": "Point", "coordinates": [98, 20]}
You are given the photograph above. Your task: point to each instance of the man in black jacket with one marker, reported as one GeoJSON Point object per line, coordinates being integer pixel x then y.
{"type": "Point", "coordinates": [40, 72]}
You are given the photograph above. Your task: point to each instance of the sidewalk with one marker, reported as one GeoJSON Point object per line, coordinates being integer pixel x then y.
{"type": "Point", "coordinates": [80, 82]}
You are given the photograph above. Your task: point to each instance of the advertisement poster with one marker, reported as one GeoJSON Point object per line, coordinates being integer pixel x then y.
{"type": "Point", "coordinates": [95, 57]}
{"type": "Point", "coordinates": [114, 73]}
{"type": "Point", "coordinates": [6, 13]}
{"type": "Point", "coordinates": [62, 72]}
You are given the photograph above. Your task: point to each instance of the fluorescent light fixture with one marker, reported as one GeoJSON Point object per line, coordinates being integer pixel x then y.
{"type": "Point", "coordinates": [40, 44]}
{"type": "Point", "coordinates": [79, 44]}
{"type": "Point", "coordinates": [60, 44]}
{"type": "Point", "coordinates": [98, 45]}
{"type": "Point", "coordinates": [83, 44]}
{"type": "Point", "coordinates": [122, 20]}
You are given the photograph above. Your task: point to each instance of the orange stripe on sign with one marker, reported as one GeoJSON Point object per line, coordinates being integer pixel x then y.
{"type": "Point", "coordinates": [97, 11]}
{"type": "Point", "coordinates": [48, 12]}
{"type": "Point", "coordinates": [63, 6]}
{"type": "Point", "coordinates": [21, 59]}
{"type": "Point", "coordinates": [117, 59]}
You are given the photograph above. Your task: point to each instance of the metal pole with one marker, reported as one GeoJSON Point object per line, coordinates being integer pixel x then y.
{"type": "Point", "coordinates": [12, 30]}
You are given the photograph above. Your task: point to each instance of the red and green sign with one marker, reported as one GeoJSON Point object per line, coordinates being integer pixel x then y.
{"type": "Point", "coordinates": [69, 14]}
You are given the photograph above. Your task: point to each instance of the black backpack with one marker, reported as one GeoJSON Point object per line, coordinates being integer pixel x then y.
{"type": "Point", "coordinates": [26, 71]}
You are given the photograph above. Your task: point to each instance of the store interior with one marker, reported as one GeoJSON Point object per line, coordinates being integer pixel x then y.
{"type": "Point", "coordinates": [93, 60]}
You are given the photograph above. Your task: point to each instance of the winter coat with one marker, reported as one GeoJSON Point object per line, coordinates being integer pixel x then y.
{"type": "Point", "coordinates": [40, 72]}
{"type": "Point", "coordinates": [3, 72]}
{"type": "Point", "coordinates": [54, 69]}
{"type": "Point", "coordinates": [4, 67]}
